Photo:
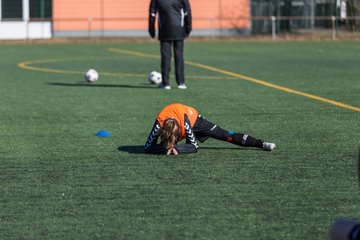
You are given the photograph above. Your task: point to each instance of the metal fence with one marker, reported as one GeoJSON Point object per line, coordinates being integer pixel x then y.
{"type": "Point", "coordinates": [275, 27]}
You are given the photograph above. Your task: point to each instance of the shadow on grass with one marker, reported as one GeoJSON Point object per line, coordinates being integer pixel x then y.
{"type": "Point", "coordinates": [132, 149]}
{"type": "Point", "coordinates": [232, 148]}
{"type": "Point", "coordinates": [102, 85]}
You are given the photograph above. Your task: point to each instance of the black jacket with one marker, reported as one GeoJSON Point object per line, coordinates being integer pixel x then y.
{"type": "Point", "coordinates": [174, 19]}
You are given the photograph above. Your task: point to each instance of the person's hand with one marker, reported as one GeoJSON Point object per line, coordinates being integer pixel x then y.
{"type": "Point", "coordinates": [187, 32]}
{"type": "Point", "coordinates": [152, 32]}
{"type": "Point", "coordinates": [172, 151]}
{"type": "Point", "coordinates": [341, 229]}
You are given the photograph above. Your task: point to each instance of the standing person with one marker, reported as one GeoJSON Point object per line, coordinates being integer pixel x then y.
{"type": "Point", "coordinates": [174, 24]}
{"type": "Point", "coordinates": [177, 121]}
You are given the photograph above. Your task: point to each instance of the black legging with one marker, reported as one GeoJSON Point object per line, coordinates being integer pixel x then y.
{"type": "Point", "coordinates": [204, 129]}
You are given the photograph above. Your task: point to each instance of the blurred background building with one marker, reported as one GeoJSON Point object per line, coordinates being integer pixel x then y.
{"type": "Point", "coordinates": [33, 19]}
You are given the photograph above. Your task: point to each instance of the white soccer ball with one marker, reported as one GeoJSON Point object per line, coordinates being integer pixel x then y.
{"type": "Point", "coordinates": [91, 75]}
{"type": "Point", "coordinates": [155, 78]}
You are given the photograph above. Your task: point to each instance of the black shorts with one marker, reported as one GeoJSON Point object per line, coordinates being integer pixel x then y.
{"type": "Point", "coordinates": [204, 129]}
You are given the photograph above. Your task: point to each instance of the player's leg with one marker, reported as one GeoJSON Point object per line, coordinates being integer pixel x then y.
{"type": "Point", "coordinates": [179, 62]}
{"type": "Point", "coordinates": [205, 129]}
{"type": "Point", "coordinates": [165, 47]}
{"type": "Point", "coordinates": [239, 139]}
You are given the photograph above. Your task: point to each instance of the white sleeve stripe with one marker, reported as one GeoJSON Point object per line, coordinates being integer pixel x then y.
{"type": "Point", "coordinates": [182, 17]}
{"type": "Point", "coordinates": [152, 136]}
{"type": "Point", "coordinates": [191, 135]}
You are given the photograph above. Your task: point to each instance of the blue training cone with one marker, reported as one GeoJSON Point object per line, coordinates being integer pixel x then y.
{"type": "Point", "coordinates": [103, 133]}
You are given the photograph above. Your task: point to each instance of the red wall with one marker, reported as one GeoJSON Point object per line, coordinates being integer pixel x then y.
{"type": "Point", "coordinates": [133, 14]}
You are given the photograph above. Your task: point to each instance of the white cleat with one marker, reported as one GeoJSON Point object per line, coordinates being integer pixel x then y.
{"type": "Point", "coordinates": [182, 86]}
{"type": "Point", "coordinates": [268, 146]}
{"type": "Point", "coordinates": [165, 87]}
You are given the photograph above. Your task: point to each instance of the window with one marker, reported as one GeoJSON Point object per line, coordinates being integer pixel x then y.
{"type": "Point", "coordinates": [40, 9]}
{"type": "Point", "coordinates": [11, 9]}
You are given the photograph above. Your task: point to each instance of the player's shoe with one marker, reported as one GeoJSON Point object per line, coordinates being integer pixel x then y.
{"type": "Point", "coordinates": [268, 146]}
{"type": "Point", "coordinates": [162, 86]}
{"type": "Point", "coordinates": [182, 86]}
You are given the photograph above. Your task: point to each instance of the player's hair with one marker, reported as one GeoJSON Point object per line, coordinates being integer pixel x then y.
{"type": "Point", "coordinates": [170, 133]}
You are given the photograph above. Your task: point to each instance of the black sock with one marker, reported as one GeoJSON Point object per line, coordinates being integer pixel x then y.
{"type": "Point", "coordinates": [236, 138]}
{"type": "Point", "coordinates": [246, 140]}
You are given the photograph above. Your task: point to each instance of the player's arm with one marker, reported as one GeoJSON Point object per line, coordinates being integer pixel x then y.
{"type": "Point", "coordinates": [152, 16]}
{"type": "Point", "coordinates": [187, 17]}
{"type": "Point", "coordinates": [191, 145]}
{"type": "Point", "coordinates": [151, 145]}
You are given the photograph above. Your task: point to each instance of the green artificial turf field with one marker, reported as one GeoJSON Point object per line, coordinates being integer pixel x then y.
{"type": "Point", "coordinates": [59, 181]}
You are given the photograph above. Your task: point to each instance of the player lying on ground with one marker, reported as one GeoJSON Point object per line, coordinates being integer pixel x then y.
{"type": "Point", "coordinates": [177, 122]}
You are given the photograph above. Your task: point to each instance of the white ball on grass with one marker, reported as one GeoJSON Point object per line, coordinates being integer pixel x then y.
{"type": "Point", "coordinates": [155, 78]}
{"type": "Point", "coordinates": [91, 75]}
